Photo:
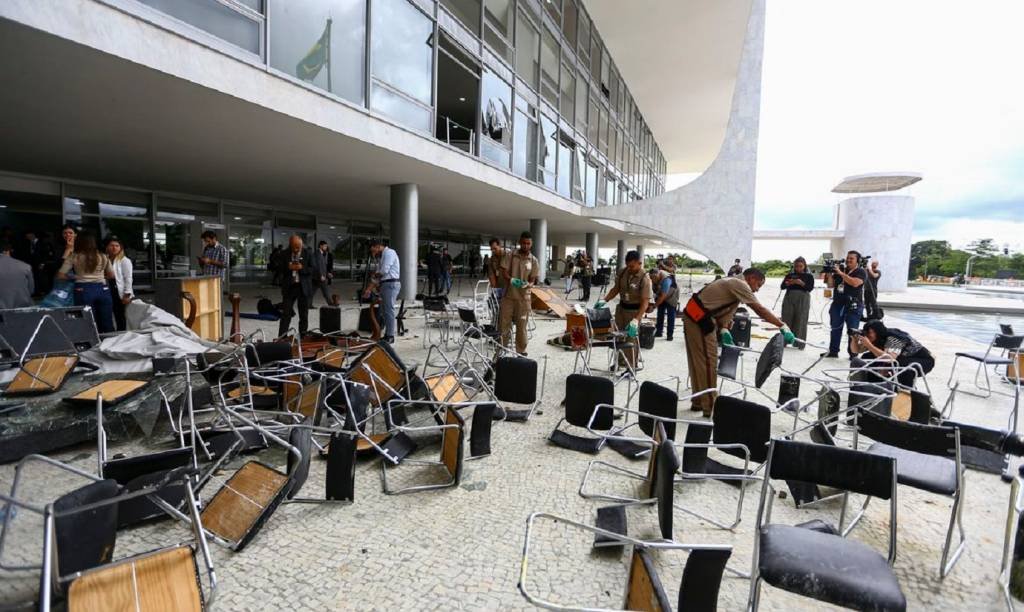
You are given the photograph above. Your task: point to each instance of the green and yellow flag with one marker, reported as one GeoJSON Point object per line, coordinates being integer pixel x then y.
{"type": "Point", "coordinates": [318, 57]}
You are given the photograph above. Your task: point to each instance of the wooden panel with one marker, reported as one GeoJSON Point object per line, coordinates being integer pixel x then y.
{"type": "Point", "coordinates": [901, 406]}
{"type": "Point", "coordinates": [450, 450]}
{"type": "Point", "coordinates": [446, 388]}
{"type": "Point", "coordinates": [1014, 370]}
{"type": "Point", "coordinates": [640, 594]}
{"type": "Point", "coordinates": [301, 400]}
{"type": "Point", "coordinates": [158, 582]}
{"type": "Point", "coordinates": [42, 374]}
{"type": "Point", "coordinates": [333, 357]}
{"type": "Point", "coordinates": [112, 390]}
{"type": "Point", "coordinates": [210, 315]}
{"type": "Point", "coordinates": [239, 503]}
{"type": "Point", "coordinates": [385, 368]}
{"type": "Point", "coordinates": [378, 438]}
{"type": "Point", "coordinates": [238, 392]}
{"type": "Point", "coordinates": [546, 299]}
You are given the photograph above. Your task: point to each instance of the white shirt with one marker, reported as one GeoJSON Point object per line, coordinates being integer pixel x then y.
{"type": "Point", "coordinates": [123, 272]}
{"type": "Point", "coordinates": [390, 268]}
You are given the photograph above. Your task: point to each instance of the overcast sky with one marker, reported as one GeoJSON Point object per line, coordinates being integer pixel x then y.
{"type": "Point", "coordinates": [928, 86]}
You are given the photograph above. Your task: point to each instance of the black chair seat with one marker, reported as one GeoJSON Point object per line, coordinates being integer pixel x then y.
{"type": "Point", "coordinates": [613, 519]}
{"type": "Point", "coordinates": [576, 443]}
{"type": "Point", "coordinates": [926, 472]}
{"type": "Point", "coordinates": [828, 568]}
{"type": "Point", "coordinates": [989, 360]}
{"type": "Point", "coordinates": [820, 526]}
{"type": "Point", "coordinates": [630, 450]}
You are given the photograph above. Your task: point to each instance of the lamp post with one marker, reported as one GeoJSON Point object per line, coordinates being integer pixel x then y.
{"type": "Point", "coordinates": [967, 272]}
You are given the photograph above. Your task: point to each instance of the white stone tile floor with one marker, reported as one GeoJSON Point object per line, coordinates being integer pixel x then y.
{"type": "Point", "coordinates": [459, 549]}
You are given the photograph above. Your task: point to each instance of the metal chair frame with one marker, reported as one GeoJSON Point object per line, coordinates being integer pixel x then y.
{"type": "Point", "coordinates": [1010, 348]}
{"type": "Point", "coordinates": [622, 540]}
{"type": "Point", "coordinates": [764, 515]}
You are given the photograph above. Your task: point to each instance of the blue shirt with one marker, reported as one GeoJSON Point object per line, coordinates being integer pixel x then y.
{"type": "Point", "coordinates": [389, 268]}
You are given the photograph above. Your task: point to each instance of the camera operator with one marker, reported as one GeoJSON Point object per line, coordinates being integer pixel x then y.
{"type": "Point", "coordinates": [871, 310]}
{"type": "Point", "coordinates": [847, 300]}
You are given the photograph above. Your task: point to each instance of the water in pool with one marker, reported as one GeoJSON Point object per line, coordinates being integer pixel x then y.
{"type": "Point", "coordinates": [976, 326]}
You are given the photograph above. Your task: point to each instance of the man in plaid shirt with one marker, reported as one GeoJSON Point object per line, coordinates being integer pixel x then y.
{"type": "Point", "coordinates": [214, 261]}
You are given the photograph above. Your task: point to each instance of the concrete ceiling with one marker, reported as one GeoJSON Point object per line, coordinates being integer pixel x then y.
{"type": "Point", "coordinates": [73, 112]}
{"type": "Point", "coordinates": [679, 59]}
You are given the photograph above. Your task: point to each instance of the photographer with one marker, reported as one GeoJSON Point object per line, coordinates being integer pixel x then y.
{"type": "Point", "coordinates": [876, 341]}
{"type": "Point", "coordinates": [847, 301]}
{"type": "Point", "coordinates": [798, 285]}
{"type": "Point", "coordinates": [871, 310]}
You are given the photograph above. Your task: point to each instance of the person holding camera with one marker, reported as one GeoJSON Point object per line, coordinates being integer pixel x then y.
{"type": "Point", "coordinates": [876, 341]}
{"type": "Point", "coordinates": [796, 306]}
{"type": "Point", "coordinates": [847, 300]}
{"type": "Point", "coordinates": [871, 310]}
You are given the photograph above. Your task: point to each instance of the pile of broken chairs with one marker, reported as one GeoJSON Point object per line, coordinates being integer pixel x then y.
{"type": "Point", "coordinates": [871, 435]}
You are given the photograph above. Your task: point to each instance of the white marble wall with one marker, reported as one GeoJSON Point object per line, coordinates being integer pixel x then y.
{"type": "Point", "coordinates": [881, 226]}
{"type": "Point", "coordinates": [714, 214]}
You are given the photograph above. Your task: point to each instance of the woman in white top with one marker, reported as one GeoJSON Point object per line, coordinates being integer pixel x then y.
{"type": "Point", "coordinates": [121, 285]}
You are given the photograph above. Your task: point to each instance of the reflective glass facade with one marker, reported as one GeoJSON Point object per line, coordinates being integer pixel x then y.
{"type": "Point", "coordinates": [452, 69]}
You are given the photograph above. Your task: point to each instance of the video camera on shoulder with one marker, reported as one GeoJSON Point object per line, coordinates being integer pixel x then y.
{"type": "Point", "coordinates": [831, 266]}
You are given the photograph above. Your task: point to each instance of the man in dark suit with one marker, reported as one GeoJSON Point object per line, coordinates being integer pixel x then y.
{"type": "Point", "coordinates": [296, 269]}
{"type": "Point", "coordinates": [323, 269]}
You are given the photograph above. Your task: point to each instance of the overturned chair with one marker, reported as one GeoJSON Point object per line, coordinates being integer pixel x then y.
{"type": "Point", "coordinates": [588, 405]}
{"type": "Point", "coordinates": [699, 583]}
{"type": "Point", "coordinates": [814, 559]}
{"type": "Point", "coordinates": [400, 446]}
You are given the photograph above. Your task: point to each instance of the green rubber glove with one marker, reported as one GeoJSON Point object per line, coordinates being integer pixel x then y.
{"type": "Point", "coordinates": [726, 338]}
{"type": "Point", "coordinates": [787, 335]}
{"type": "Point", "coordinates": [633, 329]}
{"type": "Point", "coordinates": [518, 283]}
{"type": "Point", "coordinates": [600, 304]}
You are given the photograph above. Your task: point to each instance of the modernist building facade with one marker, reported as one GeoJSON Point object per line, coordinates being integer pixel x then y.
{"type": "Point", "coordinates": [342, 120]}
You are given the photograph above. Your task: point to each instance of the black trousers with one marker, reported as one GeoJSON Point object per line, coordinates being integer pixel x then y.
{"type": "Point", "coordinates": [292, 295]}
{"type": "Point", "coordinates": [119, 320]}
{"type": "Point", "coordinates": [585, 283]}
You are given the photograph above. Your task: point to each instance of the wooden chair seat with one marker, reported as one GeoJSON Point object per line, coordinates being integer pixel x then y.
{"type": "Point", "coordinates": [42, 375]}
{"type": "Point", "coordinates": [363, 446]}
{"type": "Point", "coordinates": [446, 388]}
{"type": "Point", "coordinates": [166, 580]}
{"type": "Point", "coordinates": [238, 508]}
{"type": "Point", "coordinates": [384, 368]}
{"type": "Point", "coordinates": [113, 391]}
{"type": "Point", "coordinates": [238, 392]}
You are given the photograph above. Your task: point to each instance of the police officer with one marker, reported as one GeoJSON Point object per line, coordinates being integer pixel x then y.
{"type": "Point", "coordinates": [666, 294]}
{"type": "Point", "coordinates": [519, 272]}
{"type": "Point", "coordinates": [633, 287]}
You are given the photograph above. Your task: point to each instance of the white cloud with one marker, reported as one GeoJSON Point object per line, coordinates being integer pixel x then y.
{"type": "Point", "coordinates": [930, 86]}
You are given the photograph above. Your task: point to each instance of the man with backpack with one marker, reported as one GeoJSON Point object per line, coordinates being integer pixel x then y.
{"type": "Point", "coordinates": [666, 294]}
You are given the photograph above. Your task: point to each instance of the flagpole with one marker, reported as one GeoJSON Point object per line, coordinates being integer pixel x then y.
{"type": "Point", "coordinates": [328, 62]}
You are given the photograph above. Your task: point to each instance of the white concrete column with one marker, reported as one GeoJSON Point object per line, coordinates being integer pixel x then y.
{"type": "Point", "coordinates": [405, 231]}
{"type": "Point", "coordinates": [620, 259]}
{"type": "Point", "coordinates": [881, 226]}
{"type": "Point", "coordinates": [539, 229]}
{"type": "Point", "coordinates": [640, 249]}
{"type": "Point", "coordinates": [593, 242]}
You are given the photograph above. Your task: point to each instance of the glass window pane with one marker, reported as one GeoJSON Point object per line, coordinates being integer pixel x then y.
{"type": "Point", "coordinates": [554, 9]}
{"type": "Point", "coordinates": [402, 48]}
{"type": "Point", "coordinates": [568, 94]}
{"type": "Point", "coordinates": [321, 42]}
{"type": "Point", "coordinates": [527, 51]}
{"type": "Point", "coordinates": [524, 162]}
{"type": "Point", "coordinates": [602, 186]}
{"type": "Point", "coordinates": [581, 103]}
{"type": "Point", "coordinates": [498, 14]}
{"type": "Point", "coordinates": [595, 60]}
{"type": "Point", "coordinates": [399, 108]}
{"type": "Point", "coordinates": [602, 131]}
{"type": "Point", "coordinates": [466, 11]}
{"type": "Point", "coordinates": [593, 122]}
{"type": "Point", "coordinates": [578, 163]}
{"type": "Point", "coordinates": [496, 113]}
{"type": "Point", "coordinates": [612, 192]}
{"type": "Point", "coordinates": [215, 18]}
{"type": "Point", "coordinates": [591, 184]}
{"type": "Point", "coordinates": [549, 68]}
{"type": "Point", "coordinates": [569, 22]}
{"type": "Point", "coordinates": [548, 151]}
{"type": "Point", "coordinates": [584, 36]}
{"type": "Point", "coordinates": [606, 66]}
{"type": "Point", "coordinates": [564, 165]}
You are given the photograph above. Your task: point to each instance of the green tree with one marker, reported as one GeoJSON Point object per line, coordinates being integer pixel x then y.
{"type": "Point", "coordinates": [983, 247]}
